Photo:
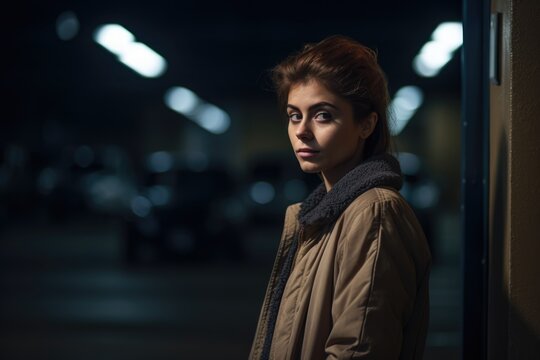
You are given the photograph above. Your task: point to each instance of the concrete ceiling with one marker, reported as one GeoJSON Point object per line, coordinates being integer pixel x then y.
{"type": "Point", "coordinates": [221, 49]}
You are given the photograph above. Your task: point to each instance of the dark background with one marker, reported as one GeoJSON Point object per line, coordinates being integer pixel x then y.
{"type": "Point", "coordinates": [104, 255]}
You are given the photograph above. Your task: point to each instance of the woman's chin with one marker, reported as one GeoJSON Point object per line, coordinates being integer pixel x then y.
{"type": "Point", "coordinates": [310, 168]}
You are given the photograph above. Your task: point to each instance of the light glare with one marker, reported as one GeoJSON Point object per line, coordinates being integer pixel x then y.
{"type": "Point", "coordinates": [262, 192]}
{"type": "Point", "coordinates": [206, 115]}
{"type": "Point", "coordinates": [404, 105]}
{"type": "Point", "coordinates": [213, 119]}
{"type": "Point", "coordinates": [114, 38]}
{"type": "Point", "coordinates": [67, 25]}
{"type": "Point", "coordinates": [138, 56]}
{"type": "Point", "coordinates": [423, 69]}
{"type": "Point", "coordinates": [436, 53]}
{"type": "Point", "coordinates": [143, 60]}
{"type": "Point", "coordinates": [181, 100]}
{"type": "Point", "coordinates": [409, 162]}
{"type": "Point", "coordinates": [409, 97]}
{"type": "Point", "coordinates": [450, 34]}
{"type": "Point", "coordinates": [141, 206]}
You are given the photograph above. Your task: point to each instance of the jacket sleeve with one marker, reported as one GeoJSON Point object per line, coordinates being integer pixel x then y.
{"type": "Point", "coordinates": [375, 283]}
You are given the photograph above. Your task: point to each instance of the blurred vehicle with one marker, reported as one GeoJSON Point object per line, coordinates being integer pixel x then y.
{"type": "Point", "coordinates": [16, 190]}
{"type": "Point", "coordinates": [85, 178]}
{"type": "Point", "coordinates": [182, 213]}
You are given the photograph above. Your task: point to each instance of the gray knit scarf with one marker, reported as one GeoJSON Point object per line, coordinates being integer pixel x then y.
{"type": "Point", "coordinates": [323, 207]}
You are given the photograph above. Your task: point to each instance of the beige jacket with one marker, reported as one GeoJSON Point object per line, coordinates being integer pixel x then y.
{"type": "Point", "coordinates": [358, 286]}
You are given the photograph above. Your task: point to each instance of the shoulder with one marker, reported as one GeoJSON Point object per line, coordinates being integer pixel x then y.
{"type": "Point", "coordinates": [385, 213]}
{"type": "Point", "coordinates": [293, 210]}
{"type": "Point", "coordinates": [291, 218]}
{"type": "Point", "coordinates": [378, 199]}
{"type": "Point", "coordinates": [384, 216]}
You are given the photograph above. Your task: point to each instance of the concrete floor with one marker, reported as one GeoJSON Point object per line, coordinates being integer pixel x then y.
{"type": "Point", "coordinates": [66, 294]}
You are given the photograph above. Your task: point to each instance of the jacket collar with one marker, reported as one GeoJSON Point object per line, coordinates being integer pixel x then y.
{"type": "Point", "coordinates": [322, 207]}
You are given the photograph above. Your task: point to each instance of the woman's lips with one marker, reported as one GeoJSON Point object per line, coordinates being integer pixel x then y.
{"type": "Point", "coordinates": [307, 153]}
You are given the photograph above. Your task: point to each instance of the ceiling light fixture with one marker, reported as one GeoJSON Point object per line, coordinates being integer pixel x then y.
{"type": "Point", "coordinates": [437, 52]}
{"type": "Point", "coordinates": [137, 56]}
{"type": "Point", "coordinates": [206, 115]}
{"type": "Point", "coordinates": [403, 106]}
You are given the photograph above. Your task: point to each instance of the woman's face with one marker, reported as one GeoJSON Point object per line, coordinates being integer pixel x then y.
{"type": "Point", "coordinates": [323, 132]}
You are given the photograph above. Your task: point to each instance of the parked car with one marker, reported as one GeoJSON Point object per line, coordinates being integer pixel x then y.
{"type": "Point", "coordinates": [181, 214]}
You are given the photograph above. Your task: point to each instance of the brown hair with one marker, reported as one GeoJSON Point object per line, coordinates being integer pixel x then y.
{"type": "Point", "coordinates": [350, 70]}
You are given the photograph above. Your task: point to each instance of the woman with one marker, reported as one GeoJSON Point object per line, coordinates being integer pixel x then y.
{"type": "Point", "coordinates": [350, 280]}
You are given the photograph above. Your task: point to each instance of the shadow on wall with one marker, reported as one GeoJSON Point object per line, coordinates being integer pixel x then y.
{"type": "Point", "coordinates": [497, 295]}
{"type": "Point", "coordinates": [505, 321]}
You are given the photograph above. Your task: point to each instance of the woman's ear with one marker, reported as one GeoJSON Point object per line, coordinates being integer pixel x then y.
{"type": "Point", "coordinates": [367, 125]}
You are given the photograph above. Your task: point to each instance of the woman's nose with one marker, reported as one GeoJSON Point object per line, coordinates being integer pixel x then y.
{"type": "Point", "coordinates": [303, 130]}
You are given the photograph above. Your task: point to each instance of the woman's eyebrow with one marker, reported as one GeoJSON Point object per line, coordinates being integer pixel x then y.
{"type": "Point", "coordinates": [319, 104]}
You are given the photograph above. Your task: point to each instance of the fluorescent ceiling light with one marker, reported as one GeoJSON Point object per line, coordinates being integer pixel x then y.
{"type": "Point", "coordinates": [423, 69]}
{"type": "Point", "coordinates": [409, 97]}
{"type": "Point", "coordinates": [450, 34]}
{"type": "Point", "coordinates": [403, 106]}
{"type": "Point", "coordinates": [181, 100]}
{"type": "Point", "coordinates": [206, 115]}
{"type": "Point", "coordinates": [212, 118]}
{"type": "Point", "coordinates": [143, 60]}
{"type": "Point", "coordinates": [436, 53]}
{"type": "Point", "coordinates": [114, 38]}
{"type": "Point", "coordinates": [138, 56]}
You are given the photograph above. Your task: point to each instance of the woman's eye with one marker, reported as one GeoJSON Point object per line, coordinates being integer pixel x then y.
{"type": "Point", "coordinates": [294, 117]}
{"type": "Point", "coordinates": [323, 116]}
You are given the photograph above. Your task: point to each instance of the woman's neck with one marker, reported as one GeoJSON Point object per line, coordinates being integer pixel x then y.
{"type": "Point", "coordinates": [332, 176]}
